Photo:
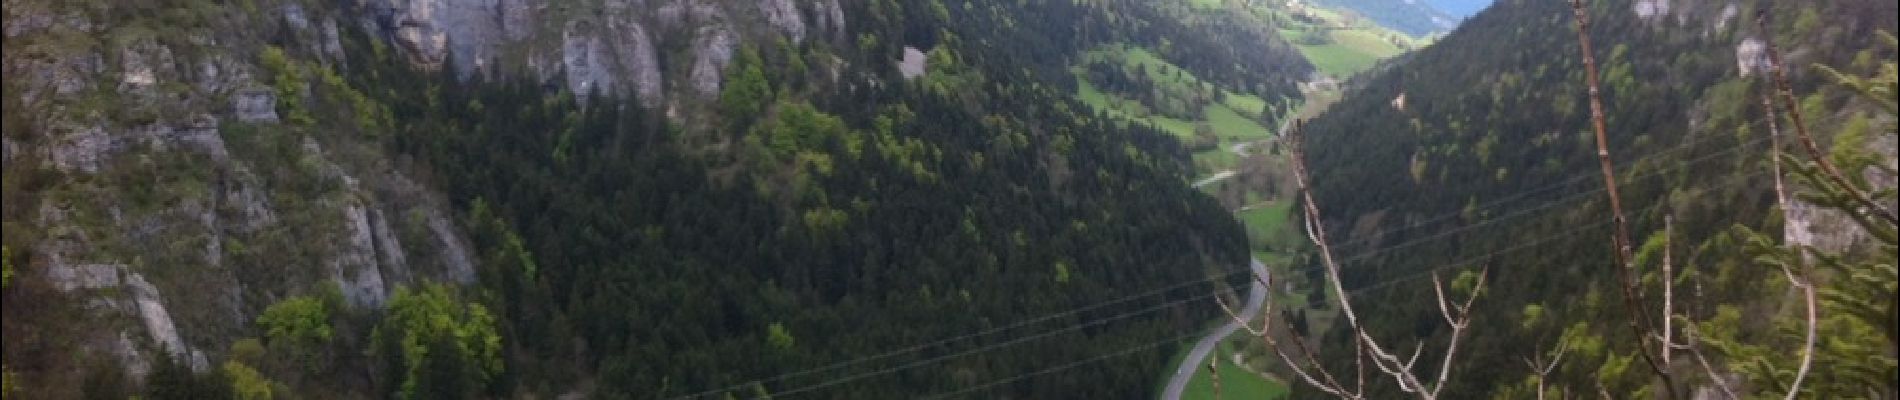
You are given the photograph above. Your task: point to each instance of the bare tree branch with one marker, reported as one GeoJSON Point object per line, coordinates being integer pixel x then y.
{"type": "Point", "coordinates": [1213, 373]}
{"type": "Point", "coordinates": [1401, 370]}
{"type": "Point", "coordinates": [1669, 284]}
{"type": "Point", "coordinates": [1638, 316]}
{"type": "Point", "coordinates": [1774, 141]}
{"type": "Point", "coordinates": [1689, 335]}
{"type": "Point", "coordinates": [1417, 349]}
{"type": "Point", "coordinates": [1325, 381]}
{"type": "Point", "coordinates": [1801, 128]}
{"type": "Point", "coordinates": [1804, 282]}
{"type": "Point", "coordinates": [1457, 328]}
{"type": "Point", "coordinates": [1543, 370]}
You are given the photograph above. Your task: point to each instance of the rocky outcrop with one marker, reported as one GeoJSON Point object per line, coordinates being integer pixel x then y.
{"type": "Point", "coordinates": [713, 51]}
{"type": "Point", "coordinates": [610, 47]}
{"type": "Point", "coordinates": [1650, 9]}
{"type": "Point", "coordinates": [830, 17]}
{"type": "Point", "coordinates": [83, 149]}
{"type": "Point", "coordinates": [158, 321]}
{"type": "Point", "coordinates": [584, 58]}
{"type": "Point", "coordinates": [419, 27]}
{"type": "Point", "coordinates": [614, 55]}
{"type": "Point", "coordinates": [782, 14]}
{"type": "Point", "coordinates": [390, 255]}
{"type": "Point", "coordinates": [912, 65]}
{"type": "Point", "coordinates": [238, 211]}
{"type": "Point", "coordinates": [136, 63]}
{"type": "Point", "coordinates": [79, 148]}
{"type": "Point", "coordinates": [199, 135]}
{"type": "Point", "coordinates": [257, 105]}
{"type": "Point", "coordinates": [641, 63]}
{"type": "Point", "coordinates": [458, 262]}
{"type": "Point", "coordinates": [126, 292]}
{"type": "Point", "coordinates": [1751, 56]}
{"type": "Point", "coordinates": [355, 268]}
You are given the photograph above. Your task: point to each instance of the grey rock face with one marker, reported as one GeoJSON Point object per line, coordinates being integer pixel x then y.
{"type": "Point", "coordinates": [70, 277]}
{"type": "Point", "coordinates": [583, 57]}
{"type": "Point", "coordinates": [428, 30]}
{"type": "Point", "coordinates": [517, 18]}
{"type": "Point", "coordinates": [783, 15]}
{"type": "Point", "coordinates": [394, 261]}
{"type": "Point", "coordinates": [713, 51]}
{"type": "Point", "coordinates": [332, 41]}
{"type": "Point", "coordinates": [144, 302]}
{"type": "Point", "coordinates": [612, 48]}
{"type": "Point", "coordinates": [912, 65]}
{"type": "Point", "coordinates": [1648, 9]}
{"type": "Point", "coordinates": [832, 17]}
{"type": "Point", "coordinates": [370, 230]}
{"type": "Point", "coordinates": [200, 134]}
{"type": "Point", "coordinates": [80, 148]}
{"type": "Point", "coordinates": [221, 74]}
{"type": "Point", "coordinates": [416, 28]}
{"type": "Point", "coordinates": [158, 320]}
{"type": "Point", "coordinates": [1751, 56]}
{"type": "Point", "coordinates": [459, 263]}
{"type": "Point", "coordinates": [245, 194]}
{"type": "Point", "coordinates": [355, 269]}
{"type": "Point", "coordinates": [137, 66]}
{"type": "Point", "coordinates": [85, 148]}
{"type": "Point", "coordinates": [642, 65]}
{"type": "Point", "coordinates": [294, 15]}
{"type": "Point", "coordinates": [257, 105]}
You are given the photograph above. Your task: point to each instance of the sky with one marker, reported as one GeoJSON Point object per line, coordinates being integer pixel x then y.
{"type": "Point", "coordinates": [1459, 8]}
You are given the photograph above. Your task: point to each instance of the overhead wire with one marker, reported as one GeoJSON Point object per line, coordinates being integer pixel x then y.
{"type": "Point", "coordinates": [1414, 275]}
{"type": "Point", "coordinates": [1224, 275]}
{"type": "Point", "coordinates": [1361, 290]}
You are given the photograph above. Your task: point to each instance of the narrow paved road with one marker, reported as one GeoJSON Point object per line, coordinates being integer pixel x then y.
{"type": "Point", "coordinates": [1217, 177]}
{"type": "Point", "coordinates": [1256, 296]}
{"type": "Point", "coordinates": [1239, 149]}
{"type": "Point", "coordinates": [1197, 359]}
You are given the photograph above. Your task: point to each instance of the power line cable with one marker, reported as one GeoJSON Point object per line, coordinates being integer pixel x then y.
{"type": "Point", "coordinates": [1361, 290]}
{"type": "Point", "coordinates": [1123, 353]}
{"type": "Point", "coordinates": [983, 349]}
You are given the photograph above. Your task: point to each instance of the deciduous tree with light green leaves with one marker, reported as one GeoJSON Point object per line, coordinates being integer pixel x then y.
{"type": "Point", "coordinates": [746, 91]}
{"type": "Point", "coordinates": [300, 327]}
{"type": "Point", "coordinates": [431, 338]}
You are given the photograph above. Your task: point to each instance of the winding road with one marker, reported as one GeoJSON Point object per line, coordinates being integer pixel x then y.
{"type": "Point", "coordinates": [1256, 296]}
{"type": "Point", "coordinates": [1217, 177]}
{"type": "Point", "coordinates": [1239, 149]}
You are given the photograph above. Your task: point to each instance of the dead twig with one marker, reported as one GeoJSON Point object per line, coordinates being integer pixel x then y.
{"type": "Point", "coordinates": [1638, 316]}
{"type": "Point", "coordinates": [1786, 92]}
{"type": "Point", "coordinates": [1401, 369]}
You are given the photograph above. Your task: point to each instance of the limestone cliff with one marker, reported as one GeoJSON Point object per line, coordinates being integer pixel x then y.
{"type": "Point", "coordinates": [182, 187]}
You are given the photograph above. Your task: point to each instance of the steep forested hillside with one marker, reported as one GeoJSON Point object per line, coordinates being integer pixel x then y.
{"type": "Point", "coordinates": [514, 199]}
{"type": "Point", "coordinates": [1477, 151]}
